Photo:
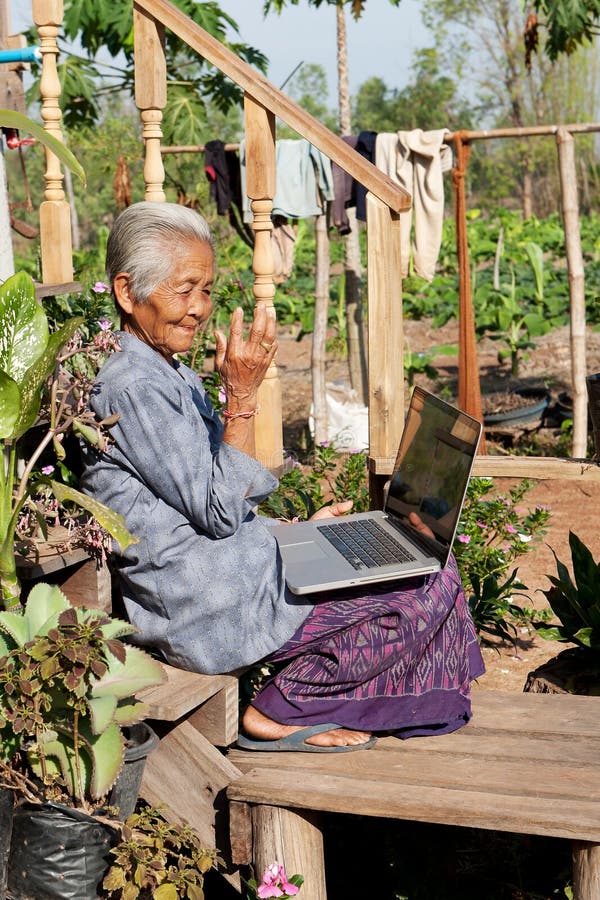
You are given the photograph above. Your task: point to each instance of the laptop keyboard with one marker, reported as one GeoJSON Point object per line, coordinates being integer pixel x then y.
{"type": "Point", "coordinates": [365, 543]}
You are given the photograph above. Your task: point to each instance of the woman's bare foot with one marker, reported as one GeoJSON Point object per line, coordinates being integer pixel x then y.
{"type": "Point", "coordinates": [257, 725]}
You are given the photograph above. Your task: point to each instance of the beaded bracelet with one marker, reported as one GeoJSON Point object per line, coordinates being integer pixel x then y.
{"type": "Point", "coordinates": [240, 415]}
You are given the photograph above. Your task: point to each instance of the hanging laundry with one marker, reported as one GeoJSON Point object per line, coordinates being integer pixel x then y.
{"type": "Point", "coordinates": [283, 243]}
{"type": "Point", "coordinates": [304, 180]}
{"type": "Point", "coordinates": [343, 191]}
{"type": "Point", "coordinates": [222, 168]}
{"type": "Point", "coordinates": [416, 160]}
{"type": "Point", "coordinates": [365, 145]}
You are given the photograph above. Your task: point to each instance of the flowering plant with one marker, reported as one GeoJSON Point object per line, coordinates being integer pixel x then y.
{"type": "Point", "coordinates": [275, 883]}
{"type": "Point", "coordinates": [493, 532]}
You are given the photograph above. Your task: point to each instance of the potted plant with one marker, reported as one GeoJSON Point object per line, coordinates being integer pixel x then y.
{"type": "Point", "coordinates": [29, 372]}
{"type": "Point", "coordinates": [67, 691]}
{"type": "Point", "coordinates": [575, 601]}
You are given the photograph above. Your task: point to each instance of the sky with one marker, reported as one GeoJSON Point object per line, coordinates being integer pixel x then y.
{"type": "Point", "coordinates": [381, 43]}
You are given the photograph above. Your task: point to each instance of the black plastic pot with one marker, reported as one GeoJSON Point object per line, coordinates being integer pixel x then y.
{"type": "Point", "coordinates": [6, 819]}
{"type": "Point", "coordinates": [593, 389]}
{"type": "Point", "coordinates": [141, 740]}
{"type": "Point", "coordinates": [535, 403]}
{"type": "Point", "coordinates": [57, 853]}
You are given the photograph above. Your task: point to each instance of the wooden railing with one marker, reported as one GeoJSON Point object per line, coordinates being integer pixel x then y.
{"type": "Point", "coordinates": [262, 103]}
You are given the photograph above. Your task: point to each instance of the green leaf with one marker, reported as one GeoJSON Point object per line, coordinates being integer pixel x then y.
{"type": "Point", "coordinates": [126, 679]}
{"type": "Point", "coordinates": [10, 404]}
{"type": "Point", "coordinates": [11, 119]}
{"type": "Point", "coordinates": [112, 521]}
{"type": "Point", "coordinates": [102, 712]}
{"type": "Point", "coordinates": [165, 892]}
{"type": "Point", "coordinates": [39, 372]}
{"type": "Point", "coordinates": [44, 605]}
{"type": "Point", "coordinates": [23, 326]}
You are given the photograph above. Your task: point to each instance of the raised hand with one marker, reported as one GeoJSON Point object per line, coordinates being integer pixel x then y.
{"type": "Point", "coordinates": [243, 364]}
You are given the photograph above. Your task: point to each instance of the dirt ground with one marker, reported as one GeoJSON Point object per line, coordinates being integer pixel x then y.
{"type": "Point", "coordinates": [574, 505]}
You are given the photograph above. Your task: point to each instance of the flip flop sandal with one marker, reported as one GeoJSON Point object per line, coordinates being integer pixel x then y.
{"type": "Point", "coordinates": [296, 741]}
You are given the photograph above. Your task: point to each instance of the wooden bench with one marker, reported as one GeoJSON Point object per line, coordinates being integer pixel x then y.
{"type": "Point", "coordinates": [526, 763]}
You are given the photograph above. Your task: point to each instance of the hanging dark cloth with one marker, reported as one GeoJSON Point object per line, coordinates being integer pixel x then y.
{"type": "Point", "coordinates": [342, 189]}
{"type": "Point", "coordinates": [222, 168]}
{"type": "Point", "coordinates": [365, 145]}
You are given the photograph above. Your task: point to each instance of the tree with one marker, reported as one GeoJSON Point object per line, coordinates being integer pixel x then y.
{"type": "Point", "coordinates": [481, 42]}
{"type": "Point", "coordinates": [569, 23]}
{"type": "Point", "coordinates": [308, 87]}
{"type": "Point", "coordinates": [429, 101]}
{"type": "Point", "coordinates": [353, 268]}
{"type": "Point", "coordinates": [193, 86]}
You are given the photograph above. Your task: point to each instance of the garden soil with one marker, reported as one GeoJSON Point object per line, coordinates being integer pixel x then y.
{"type": "Point", "coordinates": [574, 505]}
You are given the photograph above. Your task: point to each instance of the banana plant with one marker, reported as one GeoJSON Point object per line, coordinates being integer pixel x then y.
{"type": "Point", "coordinates": [11, 119]}
{"type": "Point", "coordinates": [28, 362]}
{"type": "Point", "coordinates": [67, 687]}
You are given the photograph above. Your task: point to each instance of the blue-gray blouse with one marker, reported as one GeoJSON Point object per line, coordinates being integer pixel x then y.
{"type": "Point", "coordinates": [204, 585]}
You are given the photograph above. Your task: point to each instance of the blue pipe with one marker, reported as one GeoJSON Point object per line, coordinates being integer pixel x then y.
{"type": "Point", "coordinates": [23, 54]}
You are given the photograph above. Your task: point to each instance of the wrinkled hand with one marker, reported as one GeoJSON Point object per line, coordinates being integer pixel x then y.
{"type": "Point", "coordinates": [242, 364]}
{"type": "Point", "coordinates": [418, 523]}
{"type": "Point", "coordinates": [336, 509]}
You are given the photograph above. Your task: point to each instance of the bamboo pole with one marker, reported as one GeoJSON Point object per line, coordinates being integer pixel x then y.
{"type": "Point", "coordinates": [319, 338]}
{"type": "Point", "coordinates": [570, 209]}
{"type": "Point", "coordinates": [525, 131]}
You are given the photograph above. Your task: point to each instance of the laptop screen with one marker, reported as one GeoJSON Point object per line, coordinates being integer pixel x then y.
{"type": "Point", "coordinates": [433, 466]}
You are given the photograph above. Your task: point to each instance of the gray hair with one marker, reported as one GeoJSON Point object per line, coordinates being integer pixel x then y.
{"type": "Point", "coordinates": [142, 239]}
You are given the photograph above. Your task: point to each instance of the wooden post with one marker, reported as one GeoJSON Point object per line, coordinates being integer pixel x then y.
{"type": "Point", "coordinates": [293, 839]}
{"type": "Point", "coordinates": [469, 389]}
{"type": "Point", "coordinates": [260, 187]}
{"type": "Point", "coordinates": [386, 356]}
{"type": "Point", "coordinates": [150, 95]}
{"type": "Point", "coordinates": [565, 143]}
{"type": "Point", "coordinates": [55, 215]}
{"type": "Point", "coordinates": [319, 338]}
{"type": "Point", "coordinates": [586, 871]}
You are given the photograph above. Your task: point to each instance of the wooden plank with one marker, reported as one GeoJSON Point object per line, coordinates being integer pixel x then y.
{"type": "Point", "coordinates": [240, 833]}
{"type": "Point", "coordinates": [182, 692]}
{"type": "Point", "coordinates": [540, 467]}
{"type": "Point", "coordinates": [484, 749]}
{"type": "Point", "coordinates": [88, 584]}
{"type": "Point", "coordinates": [386, 352]}
{"type": "Point", "coordinates": [188, 775]}
{"type": "Point", "coordinates": [557, 817]}
{"type": "Point", "coordinates": [544, 714]}
{"type": "Point", "coordinates": [271, 98]}
{"type": "Point", "coordinates": [217, 718]}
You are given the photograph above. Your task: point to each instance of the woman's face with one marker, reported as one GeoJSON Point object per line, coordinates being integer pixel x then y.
{"type": "Point", "coordinates": [170, 318]}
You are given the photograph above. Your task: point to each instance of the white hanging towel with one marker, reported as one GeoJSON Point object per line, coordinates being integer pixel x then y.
{"type": "Point", "coordinates": [416, 160]}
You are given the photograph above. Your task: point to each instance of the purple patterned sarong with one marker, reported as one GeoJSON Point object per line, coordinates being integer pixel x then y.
{"type": "Point", "coordinates": [396, 661]}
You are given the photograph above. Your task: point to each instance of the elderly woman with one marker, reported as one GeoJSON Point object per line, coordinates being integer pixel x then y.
{"type": "Point", "coordinates": [205, 585]}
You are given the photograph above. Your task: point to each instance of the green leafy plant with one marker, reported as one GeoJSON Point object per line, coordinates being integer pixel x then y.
{"type": "Point", "coordinates": [29, 372]}
{"type": "Point", "coordinates": [575, 600]}
{"type": "Point", "coordinates": [67, 687]}
{"type": "Point", "coordinates": [492, 533]}
{"type": "Point", "coordinates": [155, 858]}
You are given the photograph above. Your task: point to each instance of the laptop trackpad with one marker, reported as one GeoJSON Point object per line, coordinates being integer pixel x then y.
{"type": "Point", "coordinates": [303, 552]}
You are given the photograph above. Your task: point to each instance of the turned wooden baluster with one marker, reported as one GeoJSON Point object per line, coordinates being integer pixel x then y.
{"type": "Point", "coordinates": [260, 187]}
{"type": "Point", "coordinates": [150, 95]}
{"type": "Point", "coordinates": [55, 215]}
{"type": "Point", "coordinates": [386, 351]}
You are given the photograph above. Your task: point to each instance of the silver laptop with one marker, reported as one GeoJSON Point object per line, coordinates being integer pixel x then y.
{"type": "Point", "coordinates": [430, 477]}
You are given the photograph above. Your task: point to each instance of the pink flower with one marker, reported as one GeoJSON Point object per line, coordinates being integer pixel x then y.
{"type": "Point", "coordinates": [464, 538]}
{"type": "Point", "coordinates": [47, 470]}
{"type": "Point", "coordinates": [275, 884]}
{"type": "Point", "coordinates": [100, 287]}
{"type": "Point", "coordinates": [222, 396]}
{"type": "Point", "coordinates": [481, 524]}
{"type": "Point", "coordinates": [104, 325]}
{"type": "Point", "coordinates": [511, 529]}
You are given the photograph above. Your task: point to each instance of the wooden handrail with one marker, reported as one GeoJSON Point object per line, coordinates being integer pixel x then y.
{"type": "Point", "coordinates": [265, 93]}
